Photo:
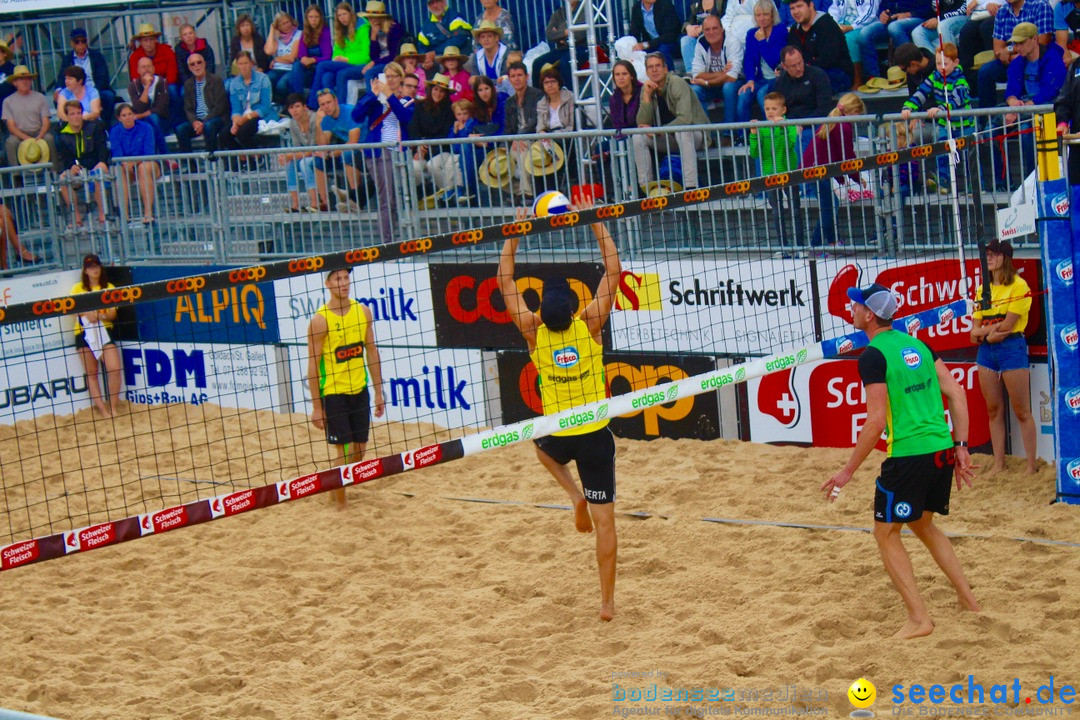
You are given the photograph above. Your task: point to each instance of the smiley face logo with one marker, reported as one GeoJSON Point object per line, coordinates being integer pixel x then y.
{"type": "Point", "coordinates": [862, 694]}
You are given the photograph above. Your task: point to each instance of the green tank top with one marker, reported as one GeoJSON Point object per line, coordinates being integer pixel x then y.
{"type": "Point", "coordinates": [916, 414]}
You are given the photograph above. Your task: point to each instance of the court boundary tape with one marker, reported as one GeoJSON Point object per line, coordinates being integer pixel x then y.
{"type": "Point", "coordinates": [109, 533]}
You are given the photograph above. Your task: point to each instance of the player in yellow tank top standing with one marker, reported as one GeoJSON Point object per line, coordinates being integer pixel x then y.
{"type": "Point", "coordinates": [566, 348]}
{"type": "Point", "coordinates": [343, 372]}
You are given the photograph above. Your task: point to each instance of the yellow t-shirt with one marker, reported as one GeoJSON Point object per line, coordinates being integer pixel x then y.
{"type": "Point", "coordinates": [78, 289]}
{"type": "Point", "coordinates": [342, 370]}
{"type": "Point", "coordinates": [1005, 299]}
{"type": "Point", "coordinates": [571, 369]}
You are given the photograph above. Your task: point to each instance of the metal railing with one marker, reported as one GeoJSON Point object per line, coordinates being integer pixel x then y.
{"type": "Point", "coordinates": [234, 207]}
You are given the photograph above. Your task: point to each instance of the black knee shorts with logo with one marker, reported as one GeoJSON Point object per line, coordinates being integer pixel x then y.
{"type": "Point", "coordinates": [594, 454]}
{"type": "Point", "coordinates": [347, 417]}
{"type": "Point", "coordinates": [909, 485]}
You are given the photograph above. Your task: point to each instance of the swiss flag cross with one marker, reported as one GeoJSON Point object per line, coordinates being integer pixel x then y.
{"type": "Point", "coordinates": [778, 399]}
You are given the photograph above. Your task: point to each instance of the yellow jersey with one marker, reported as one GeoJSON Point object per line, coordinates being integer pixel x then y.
{"type": "Point", "coordinates": [1005, 299]}
{"type": "Point", "coordinates": [78, 289]}
{"type": "Point", "coordinates": [571, 369]}
{"type": "Point", "coordinates": [342, 370]}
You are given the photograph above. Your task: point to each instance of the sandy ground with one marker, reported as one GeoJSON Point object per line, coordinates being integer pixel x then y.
{"type": "Point", "coordinates": [410, 604]}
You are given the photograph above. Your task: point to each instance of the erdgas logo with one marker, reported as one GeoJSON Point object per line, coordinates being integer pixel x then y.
{"type": "Point", "coordinates": [740, 374]}
{"type": "Point", "coordinates": [781, 362]}
{"type": "Point", "coordinates": [527, 431]}
{"type": "Point", "coordinates": [649, 398]}
{"type": "Point", "coordinates": [717, 381]}
{"type": "Point", "coordinates": [580, 418]}
{"type": "Point", "coordinates": [500, 439]}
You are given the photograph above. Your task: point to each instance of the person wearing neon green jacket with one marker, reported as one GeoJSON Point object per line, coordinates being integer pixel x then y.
{"type": "Point", "coordinates": [777, 148]}
{"type": "Point", "coordinates": [351, 59]}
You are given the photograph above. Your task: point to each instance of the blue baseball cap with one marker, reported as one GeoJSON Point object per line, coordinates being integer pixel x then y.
{"type": "Point", "coordinates": [877, 297]}
{"type": "Point", "coordinates": [79, 33]}
{"type": "Point", "coordinates": [557, 304]}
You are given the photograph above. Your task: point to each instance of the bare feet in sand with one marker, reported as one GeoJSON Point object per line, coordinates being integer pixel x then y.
{"type": "Point", "coordinates": [337, 497]}
{"type": "Point", "coordinates": [582, 519]}
{"type": "Point", "coordinates": [914, 629]}
{"type": "Point", "coordinates": [102, 409]}
{"type": "Point", "coordinates": [970, 604]}
{"type": "Point", "coordinates": [607, 611]}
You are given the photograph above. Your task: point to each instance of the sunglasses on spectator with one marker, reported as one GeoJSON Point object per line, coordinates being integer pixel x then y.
{"type": "Point", "coordinates": [193, 63]}
{"type": "Point", "coordinates": [79, 41]}
{"type": "Point", "coordinates": [326, 91]}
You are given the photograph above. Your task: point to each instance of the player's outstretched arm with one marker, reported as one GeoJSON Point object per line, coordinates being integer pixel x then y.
{"type": "Point", "coordinates": [316, 335]}
{"type": "Point", "coordinates": [598, 311]}
{"type": "Point", "coordinates": [877, 403]}
{"type": "Point", "coordinates": [958, 412]}
{"type": "Point", "coordinates": [525, 319]}
{"type": "Point", "coordinates": [374, 364]}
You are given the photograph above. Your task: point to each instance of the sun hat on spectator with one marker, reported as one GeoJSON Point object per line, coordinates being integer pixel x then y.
{"type": "Point", "coordinates": [146, 30]}
{"type": "Point", "coordinates": [20, 71]}
{"type": "Point", "coordinates": [440, 80]}
{"type": "Point", "coordinates": [375, 9]}
{"type": "Point", "coordinates": [662, 187]}
{"type": "Point", "coordinates": [497, 168]}
{"type": "Point", "coordinates": [544, 158]}
{"type": "Point", "coordinates": [452, 52]}
{"type": "Point", "coordinates": [33, 151]}
{"type": "Point", "coordinates": [408, 50]}
{"type": "Point", "coordinates": [487, 26]}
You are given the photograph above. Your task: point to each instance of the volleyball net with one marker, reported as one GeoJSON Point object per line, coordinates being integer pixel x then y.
{"type": "Point", "coordinates": [215, 407]}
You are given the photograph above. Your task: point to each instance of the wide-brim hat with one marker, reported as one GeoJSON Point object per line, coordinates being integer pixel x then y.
{"type": "Point", "coordinates": [662, 187]}
{"type": "Point", "coordinates": [487, 26]}
{"type": "Point", "coordinates": [896, 75]}
{"type": "Point", "coordinates": [408, 50]}
{"type": "Point", "coordinates": [6, 49]}
{"type": "Point", "coordinates": [432, 201]}
{"type": "Point", "coordinates": [146, 30]}
{"type": "Point", "coordinates": [982, 58]}
{"type": "Point", "coordinates": [439, 80]}
{"type": "Point", "coordinates": [877, 84]}
{"type": "Point", "coordinates": [544, 158]}
{"type": "Point", "coordinates": [497, 168]}
{"type": "Point", "coordinates": [20, 71]}
{"type": "Point", "coordinates": [33, 151]}
{"type": "Point", "coordinates": [452, 52]}
{"type": "Point", "coordinates": [374, 9]}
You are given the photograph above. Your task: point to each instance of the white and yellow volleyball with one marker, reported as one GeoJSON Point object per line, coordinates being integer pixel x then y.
{"type": "Point", "coordinates": [551, 202]}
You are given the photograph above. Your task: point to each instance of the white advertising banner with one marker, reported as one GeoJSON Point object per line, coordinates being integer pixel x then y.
{"type": "Point", "coordinates": [239, 376]}
{"type": "Point", "coordinates": [34, 336]}
{"type": "Point", "coordinates": [398, 294]}
{"type": "Point", "coordinates": [733, 308]}
{"type": "Point", "coordinates": [444, 387]}
{"type": "Point", "coordinates": [48, 383]}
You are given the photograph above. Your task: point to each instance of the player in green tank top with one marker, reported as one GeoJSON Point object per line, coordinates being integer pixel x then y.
{"type": "Point", "coordinates": [904, 382]}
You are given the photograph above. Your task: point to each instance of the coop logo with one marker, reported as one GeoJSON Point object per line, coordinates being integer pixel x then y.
{"type": "Point", "coordinates": [1073, 469]}
{"type": "Point", "coordinates": [1064, 271]}
{"type": "Point", "coordinates": [777, 180]}
{"type": "Point", "coordinates": [311, 264]}
{"type": "Point", "coordinates": [922, 151]}
{"type": "Point", "coordinates": [500, 439]}
{"type": "Point", "coordinates": [777, 398]}
{"type": "Point", "coordinates": [53, 307]}
{"type": "Point", "coordinates": [369, 254]}
{"type": "Point", "coordinates": [1060, 204]}
{"type": "Point", "coordinates": [638, 292]}
{"type": "Point", "coordinates": [415, 246]}
{"type": "Point", "coordinates": [851, 165]}
{"type": "Point", "coordinates": [251, 274]}
{"type": "Point", "coordinates": [465, 238]}
{"type": "Point", "coordinates": [691, 196]}
{"type": "Point", "coordinates": [654, 203]}
{"type": "Point", "coordinates": [470, 307]}
{"type": "Point", "coordinates": [121, 295]}
{"type": "Point", "coordinates": [515, 228]}
{"type": "Point", "coordinates": [567, 357]}
{"type": "Point", "coordinates": [737, 187]}
{"type": "Point", "coordinates": [191, 284]}
{"type": "Point", "coordinates": [577, 419]}
{"type": "Point", "coordinates": [565, 220]}
{"type": "Point", "coordinates": [1072, 401]}
{"type": "Point", "coordinates": [19, 554]}
{"type": "Point", "coordinates": [912, 358]}
{"type": "Point", "coordinates": [814, 173]}
{"type": "Point", "coordinates": [610, 211]}
{"type": "Point", "coordinates": [887, 158]}
{"type": "Point", "coordinates": [2, 314]}
{"type": "Point", "coordinates": [1069, 336]}
{"type": "Point", "coordinates": [345, 353]}
{"type": "Point", "coordinates": [717, 381]}
{"type": "Point", "coordinates": [912, 325]}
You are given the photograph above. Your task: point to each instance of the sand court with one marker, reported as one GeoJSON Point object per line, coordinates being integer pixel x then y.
{"type": "Point", "coordinates": [410, 604]}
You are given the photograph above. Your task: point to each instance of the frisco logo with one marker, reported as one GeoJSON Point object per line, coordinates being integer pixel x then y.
{"type": "Point", "coordinates": [1070, 336]}
{"type": "Point", "coordinates": [19, 554]}
{"type": "Point", "coordinates": [1072, 400]}
{"type": "Point", "coordinates": [1073, 469]}
{"type": "Point", "coordinates": [845, 345]}
{"type": "Point", "coordinates": [567, 357]}
{"type": "Point", "coordinates": [1064, 271]}
{"type": "Point", "coordinates": [912, 324]}
{"type": "Point", "coordinates": [911, 358]}
{"type": "Point", "coordinates": [946, 315]}
{"type": "Point", "coordinates": [1060, 203]}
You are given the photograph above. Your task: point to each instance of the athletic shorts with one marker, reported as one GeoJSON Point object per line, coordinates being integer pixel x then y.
{"type": "Point", "coordinates": [909, 485]}
{"type": "Point", "coordinates": [347, 417]}
{"type": "Point", "coordinates": [1009, 354]}
{"type": "Point", "coordinates": [594, 454]}
{"type": "Point", "coordinates": [80, 342]}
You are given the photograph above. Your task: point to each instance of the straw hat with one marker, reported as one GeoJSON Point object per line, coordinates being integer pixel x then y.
{"type": "Point", "coordinates": [894, 80]}
{"type": "Point", "coordinates": [432, 201]}
{"type": "Point", "coordinates": [20, 71]}
{"type": "Point", "coordinates": [146, 30]}
{"type": "Point", "coordinates": [662, 187]}
{"type": "Point", "coordinates": [497, 168]}
{"type": "Point", "coordinates": [6, 50]}
{"type": "Point", "coordinates": [440, 80]}
{"type": "Point", "coordinates": [452, 52]}
{"type": "Point", "coordinates": [33, 151]}
{"type": "Point", "coordinates": [408, 50]}
{"type": "Point", "coordinates": [487, 26]}
{"type": "Point", "coordinates": [374, 9]}
{"type": "Point", "coordinates": [544, 158]}
{"type": "Point", "coordinates": [982, 58]}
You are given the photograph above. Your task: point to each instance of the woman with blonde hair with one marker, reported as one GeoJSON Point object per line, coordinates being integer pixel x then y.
{"type": "Point", "coordinates": [282, 47]}
{"type": "Point", "coordinates": [832, 142]}
{"type": "Point", "coordinates": [352, 51]}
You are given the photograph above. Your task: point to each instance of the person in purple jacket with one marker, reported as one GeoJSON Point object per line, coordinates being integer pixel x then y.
{"type": "Point", "coordinates": [315, 47]}
{"type": "Point", "coordinates": [626, 98]}
{"type": "Point", "coordinates": [896, 20]}
{"type": "Point", "coordinates": [134, 138]}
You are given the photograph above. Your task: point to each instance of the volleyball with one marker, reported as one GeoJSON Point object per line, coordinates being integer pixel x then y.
{"type": "Point", "coordinates": [551, 202]}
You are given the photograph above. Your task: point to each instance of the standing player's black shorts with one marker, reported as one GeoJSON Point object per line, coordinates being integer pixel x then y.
{"type": "Point", "coordinates": [594, 454]}
{"type": "Point", "coordinates": [909, 485]}
{"type": "Point", "coordinates": [347, 417]}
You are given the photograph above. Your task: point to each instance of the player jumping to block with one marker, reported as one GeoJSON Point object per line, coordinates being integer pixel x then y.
{"type": "Point", "coordinates": [343, 372]}
{"type": "Point", "coordinates": [904, 383]}
{"type": "Point", "coordinates": [566, 349]}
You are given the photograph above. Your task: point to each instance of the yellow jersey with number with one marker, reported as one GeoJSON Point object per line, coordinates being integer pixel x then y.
{"type": "Point", "coordinates": [78, 289]}
{"type": "Point", "coordinates": [342, 370]}
{"type": "Point", "coordinates": [571, 369]}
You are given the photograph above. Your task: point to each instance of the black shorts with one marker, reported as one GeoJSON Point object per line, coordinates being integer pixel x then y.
{"type": "Point", "coordinates": [594, 454]}
{"type": "Point", "coordinates": [347, 417]}
{"type": "Point", "coordinates": [80, 342]}
{"type": "Point", "coordinates": [909, 485]}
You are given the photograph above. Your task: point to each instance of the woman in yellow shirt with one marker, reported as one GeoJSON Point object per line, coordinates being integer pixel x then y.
{"type": "Point", "coordinates": [1003, 356]}
{"type": "Point", "coordinates": [94, 278]}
